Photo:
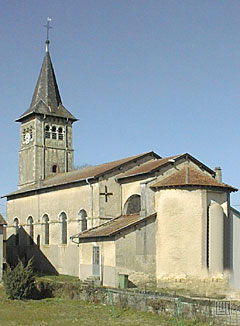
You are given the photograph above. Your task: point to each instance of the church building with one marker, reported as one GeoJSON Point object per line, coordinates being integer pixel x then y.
{"type": "Point", "coordinates": [144, 216]}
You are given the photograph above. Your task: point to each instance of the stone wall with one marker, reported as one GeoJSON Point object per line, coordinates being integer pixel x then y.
{"type": "Point", "coordinates": [217, 312]}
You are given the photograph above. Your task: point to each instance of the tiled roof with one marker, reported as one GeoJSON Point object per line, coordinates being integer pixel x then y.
{"type": "Point", "coordinates": [78, 175]}
{"type": "Point", "coordinates": [189, 176]}
{"type": "Point", "coordinates": [153, 166]}
{"type": "Point", "coordinates": [112, 227]}
{"type": "Point", "coordinates": [147, 167]}
{"type": "Point", "coordinates": [2, 220]}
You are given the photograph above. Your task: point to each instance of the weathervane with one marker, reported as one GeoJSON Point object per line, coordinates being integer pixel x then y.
{"type": "Point", "coordinates": [48, 27]}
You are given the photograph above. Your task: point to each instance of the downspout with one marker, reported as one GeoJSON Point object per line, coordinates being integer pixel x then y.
{"type": "Point", "coordinates": [91, 209]}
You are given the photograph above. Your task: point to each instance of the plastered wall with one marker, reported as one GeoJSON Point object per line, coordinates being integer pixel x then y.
{"type": "Point", "coordinates": [179, 232]}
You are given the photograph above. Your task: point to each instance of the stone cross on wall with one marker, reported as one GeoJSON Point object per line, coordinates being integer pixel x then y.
{"type": "Point", "coordinates": [106, 194]}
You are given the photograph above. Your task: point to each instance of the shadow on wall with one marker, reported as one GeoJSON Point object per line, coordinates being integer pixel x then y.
{"type": "Point", "coordinates": [21, 246]}
{"type": "Point", "coordinates": [227, 248]}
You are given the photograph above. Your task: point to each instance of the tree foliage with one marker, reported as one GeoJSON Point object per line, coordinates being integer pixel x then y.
{"type": "Point", "coordinates": [19, 282]}
{"type": "Point", "coordinates": [82, 166]}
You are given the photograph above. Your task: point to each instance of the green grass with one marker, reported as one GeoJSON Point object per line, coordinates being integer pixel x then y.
{"type": "Point", "coordinates": [62, 312]}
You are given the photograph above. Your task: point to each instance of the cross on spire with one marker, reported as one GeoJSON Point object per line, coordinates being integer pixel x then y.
{"type": "Point", "coordinates": [106, 194]}
{"type": "Point", "coordinates": [48, 27]}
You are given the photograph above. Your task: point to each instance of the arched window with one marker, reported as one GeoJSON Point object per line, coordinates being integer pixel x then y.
{"type": "Point", "coordinates": [23, 135]}
{"type": "Point", "coordinates": [60, 133]}
{"type": "Point", "coordinates": [54, 132]}
{"type": "Point", "coordinates": [30, 230]}
{"type": "Point", "coordinates": [63, 223]}
{"type": "Point", "coordinates": [47, 131]}
{"type": "Point", "coordinates": [55, 168]}
{"type": "Point", "coordinates": [45, 220]}
{"type": "Point", "coordinates": [82, 220]}
{"type": "Point", "coordinates": [16, 230]}
{"type": "Point", "coordinates": [132, 205]}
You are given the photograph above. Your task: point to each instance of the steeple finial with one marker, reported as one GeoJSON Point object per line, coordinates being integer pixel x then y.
{"type": "Point", "coordinates": [48, 27]}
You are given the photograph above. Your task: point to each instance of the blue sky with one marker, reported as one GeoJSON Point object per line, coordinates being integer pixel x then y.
{"type": "Point", "coordinates": [140, 75]}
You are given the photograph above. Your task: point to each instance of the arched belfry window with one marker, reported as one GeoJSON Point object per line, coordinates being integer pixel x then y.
{"type": "Point", "coordinates": [31, 132]}
{"type": "Point", "coordinates": [54, 132]}
{"type": "Point", "coordinates": [63, 224]}
{"type": "Point", "coordinates": [23, 135]}
{"type": "Point", "coordinates": [16, 230]}
{"type": "Point", "coordinates": [132, 205]}
{"type": "Point", "coordinates": [82, 220]}
{"type": "Point", "coordinates": [60, 133]}
{"type": "Point", "coordinates": [45, 220]}
{"type": "Point", "coordinates": [47, 131]}
{"type": "Point", "coordinates": [30, 230]}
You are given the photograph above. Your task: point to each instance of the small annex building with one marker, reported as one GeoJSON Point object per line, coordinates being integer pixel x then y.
{"type": "Point", "coordinates": [145, 216]}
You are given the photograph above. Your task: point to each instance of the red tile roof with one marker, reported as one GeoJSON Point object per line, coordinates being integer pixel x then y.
{"type": "Point", "coordinates": [112, 227]}
{"type": "Point", "coordinates": [189, 176]}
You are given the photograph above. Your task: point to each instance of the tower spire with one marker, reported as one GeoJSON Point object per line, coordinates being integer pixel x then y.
{"type": "Point", "coordinates": [48, 27]}
{"type": "Point", "coordinates": [46, 99]}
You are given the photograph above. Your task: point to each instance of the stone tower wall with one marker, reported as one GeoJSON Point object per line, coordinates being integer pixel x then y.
{"type": "Point", "coordinates": [38, 155]}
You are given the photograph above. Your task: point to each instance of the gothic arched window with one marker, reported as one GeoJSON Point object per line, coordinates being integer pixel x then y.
{"type": "Point", "coordinates": [132, 205]}
{"type": "Point", "coordinates": [16, 230]}
{"type": "Point", "coordinates": [45, 229]}
{"type": "Point", "coordinates": [83, 220]}
{"type": "Point", "coordinates": [60, 133]}
{"type": "Point", "coordinates": [30, 230]}
{"type": "Point", "coordinates": [63, 224]}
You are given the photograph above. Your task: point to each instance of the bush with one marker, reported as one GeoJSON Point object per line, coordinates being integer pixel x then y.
{"type": "Point", "coordinates": [19, 282]}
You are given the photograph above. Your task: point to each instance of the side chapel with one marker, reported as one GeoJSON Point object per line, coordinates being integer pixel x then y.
{"type": "Point", "coordinates": [145, 216]}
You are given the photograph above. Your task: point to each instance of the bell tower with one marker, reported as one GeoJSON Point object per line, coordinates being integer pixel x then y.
{"type": "Point", "coordinates": [46, 131]}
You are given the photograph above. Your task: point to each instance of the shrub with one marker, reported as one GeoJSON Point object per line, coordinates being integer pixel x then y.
{"type": "Point", "coordinates": [19, 282]}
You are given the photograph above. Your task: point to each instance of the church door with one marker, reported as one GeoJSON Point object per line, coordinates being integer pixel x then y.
{"type": "Point", "coordinates": [96, 262]}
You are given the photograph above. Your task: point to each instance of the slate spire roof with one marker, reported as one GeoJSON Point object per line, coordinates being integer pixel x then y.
{"type": "Point", "coordinates": [46, 98]}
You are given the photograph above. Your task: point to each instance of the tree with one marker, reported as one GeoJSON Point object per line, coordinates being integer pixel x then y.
{"type": "Point", "coordinates": [82, 166]}
{"type": "Point", "coordinates": [19, 282]}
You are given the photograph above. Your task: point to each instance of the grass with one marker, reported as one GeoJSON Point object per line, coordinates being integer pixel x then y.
{"type": "Point", "coordinates": [59, 312]}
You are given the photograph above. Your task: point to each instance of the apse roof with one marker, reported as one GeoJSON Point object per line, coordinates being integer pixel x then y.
{"type": "Point", "coordinates": [189, 176]}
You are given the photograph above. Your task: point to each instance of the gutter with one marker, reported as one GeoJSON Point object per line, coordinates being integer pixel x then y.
{"type": "Point", "coordinates": [91, 186]}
